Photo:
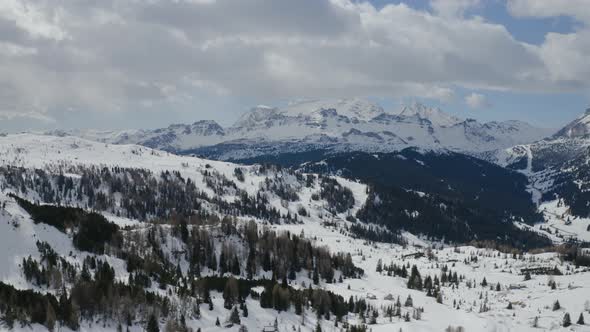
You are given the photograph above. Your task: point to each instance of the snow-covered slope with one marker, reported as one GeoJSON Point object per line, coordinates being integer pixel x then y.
{"type": "Point", "coordinates": [506, 303]}
{"type": "Point", "coordinates": [468, 305]}
{"type": "Point", "coordinates": [577, 128]}
{"type": "Point", "coordinates": [558, 170]}
{"type": "Point", "coordinates": [434, 115]}
{"type": "Point", "coordinates": [353, 109]}
{"type": "Point", "coordinates": [344, 124]}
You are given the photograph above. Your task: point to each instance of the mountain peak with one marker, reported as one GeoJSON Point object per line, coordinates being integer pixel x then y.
{"type": "Point", "coordinates": [577, 128]}
{"type": "Point", "coordinates": [435, 115]}
{"type": "Point", "coordinates": [360, 109]}
{"type": "Point", "coordinates": [354, 108]}
{"type": "Point", "coordinates": [255, 115]}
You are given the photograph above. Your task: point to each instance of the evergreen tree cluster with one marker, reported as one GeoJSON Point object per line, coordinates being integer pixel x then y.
{"type": "Point", "coordinates": [284, 254]}
{"type": "Point", "coordinates": [91, 230]}
{"type": "Point", "coordinates": [377, 234]}
{"type": "Point", "coordinates": [93, 293]}
{"type": "Point", "coordinates": [52, 271]}
{"type": "Point", "coordinates": [339, 198]}
{"type": "Point", "coordinates": [442, 218]}
{"type": "Point", "coordinates": [140, 194]}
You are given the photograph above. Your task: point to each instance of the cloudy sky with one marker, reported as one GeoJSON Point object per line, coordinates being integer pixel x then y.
{"type": "Point", "coordinates": [149, 63]}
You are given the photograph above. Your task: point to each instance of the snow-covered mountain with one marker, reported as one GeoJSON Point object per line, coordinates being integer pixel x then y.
{"type": "Point", "coordinates": [566, 146]}
{"type": "Point", "coordinates": [577, 128]}
{"type": "Point", "coordinates": [558, 169]}
{"type": "Point", "coordinates": [341, 125]}
{"type": "Point", "coordinates": [199, 133]}
{"type": "Point", "coordinates": [434, 115]}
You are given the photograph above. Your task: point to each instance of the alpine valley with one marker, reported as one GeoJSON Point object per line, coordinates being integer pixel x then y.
{"type": "Point", "coordinates": [325, 215]}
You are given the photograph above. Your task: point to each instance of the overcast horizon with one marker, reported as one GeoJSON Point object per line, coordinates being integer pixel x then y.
{"type": "Point", "coordinates": [118, 64]}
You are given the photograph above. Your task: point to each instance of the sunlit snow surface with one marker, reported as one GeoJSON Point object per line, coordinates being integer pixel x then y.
{"type": "Point", "coordinates": [529, 298]}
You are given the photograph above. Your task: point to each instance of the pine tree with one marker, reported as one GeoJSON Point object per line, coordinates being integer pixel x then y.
{"type": "Point", "coordinates": [184, 231]}
{"type": "Point", "coordinates": [556, 305]}
{"type": "Point", "coordinates": [236, 266]}
{"type": "Point", "coordinates": [244, 310]}
{"type": "Point", "coordinates": [580, 319]}
{"type": "Point", "coordinates": [298, 305]}
{"type": "Point", "coordinates": [567, 320]}
{"type": "Point", "coordinates": [409, 302]}
{"type": "Point", "coordinates": [316, 276]}
{"type": "Point", "coordinates": [50, 317]}
{"type": "Point", "coordinates": [217, 322]}
{"type": "Point", "coordinates": [222, 263]}
{"type": "Point", "coordinates": [230, 292]}
{"type": "Point", "coordinates": [415, 280]}
{"type": "Point", "coordinates": [318, 327]}
{"type": "Point", "coordinates": [251, 264]}
{"type": "Point", "coordinates": [234, 318]}
{"type": "Point", "coordinates": [153, 325]}
{"type": "Point", "coordinates": [266, 262]}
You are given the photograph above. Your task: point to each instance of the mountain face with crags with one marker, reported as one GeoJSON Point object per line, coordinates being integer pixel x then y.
{"type": "Point", "coordinates": [336, 125]}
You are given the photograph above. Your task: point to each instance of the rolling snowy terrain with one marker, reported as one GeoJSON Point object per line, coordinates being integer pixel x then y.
{"type": "Point", "coordinates": [478, 289]}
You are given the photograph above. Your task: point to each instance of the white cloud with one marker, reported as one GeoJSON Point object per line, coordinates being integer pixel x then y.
{"type": "Point", "coordinates": [9, 49]}
{"type": "Point", "coordinates": [476, 101]}
{"type": "Point", "coordinates": [550, 8]}
{"type": "Point", "coordinates": [564, 54]}
{"type": "Point", "coordinates": [119, 55]}
{"type": "Point", "coordinates": [452, 8]}
{"type": "Point", "coordinates": [38, 18]}
{"type": "Point", "coordinates": [28, 115]}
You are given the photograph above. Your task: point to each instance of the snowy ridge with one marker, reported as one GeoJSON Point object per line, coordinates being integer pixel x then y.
{"type": "Point", "coordinates": [54, 153]}
{"type": "Point", "coordinates": [577, 128]}
{"type": "Point", "coordinates": [434, 115]}
{"type": "Point", "coordinates": [344, 124]}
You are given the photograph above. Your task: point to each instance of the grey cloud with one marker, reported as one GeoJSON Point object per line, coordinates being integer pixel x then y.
{"type": "Point", "coordinates": [117, 55]}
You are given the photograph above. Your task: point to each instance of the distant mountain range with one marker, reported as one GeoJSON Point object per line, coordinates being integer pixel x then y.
{"type": "Point", "coordinates": [336, 125]}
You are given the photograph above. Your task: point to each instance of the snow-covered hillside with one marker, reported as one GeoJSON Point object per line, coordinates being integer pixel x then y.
{"type": "Point", "coordinates": [345, 124]}
{"type": "Point", "coordinates": [557, 168]}
{"type": "Point", "coordinates": [577, 128]}
{"type": "Point", "coordinates": [473, 288]}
